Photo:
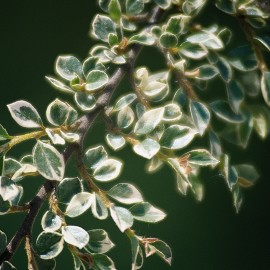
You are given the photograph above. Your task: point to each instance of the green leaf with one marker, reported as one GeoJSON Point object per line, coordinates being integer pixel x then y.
{"type": "Point", "coordinates": [215, 144]}
{"type": "Point", "coordinates": [90, 64]}
{"type": "Point", "coordinates": [67, 188]}
{"type": "Point", "coordinates": [172, 112]}
{"type": "Point", "coordinates": [208, 39]}
{"type": "Point", "coordinates": [134, 7]}
{"type": "Point", "coordinates": [168, 40]}
{"type": "Point", "coordinates": [70, 136]}
{"type": "Point", "coordinates": [196, 187]}
{"type": "Point", "coordinates": [49, 245]}
{"type": "Point", "coordinates": [229, 172]}
{"type": "Point", "coordinates": [99, 241]}
{"type": "Point", "coordinates": [3, 134]}
{"type": "Point", "coordinates": [125, 117]}
{"type": "Point", "coordinates": [4, 206]}
{"type": "Point", "coordinates": [182, 184]}
{"type": "Point", "coordinates": [102, 262]}
{"type": "Point", "coordinates": [147, 148]}
{"type": "Point", "coordinates": [207, 72]}
{"type": "Point", "coordinates": [59, 85]}
{"type": "Point", "coordinates": [163, 3]}
{"type": "Point", "coordinates": [200, 116]}
{"type": "Point", "coordinates": [135, 247]}
{"type": "Point", "coordinates": [143, 38]}
{"type": "Point", "coordinates": [99, 209]}
{"type": "Point", "coordinates": [149, 121]}
{"type": "Point", "coordinates": [114, 9]}
{"type": "Point", "coordinates": [75, 236]}
{"type": "Point", "coordinates": [54, 137]}
{"type": "Point", "coordinates": [224, 69]}
{"type": "Point", "coordinates": [265, 87]}
{"type": "Point", "coordinates": [161, 249]}
{"type": "Point", "coordinates": [223, 111]}
{"type": "Point", "coordinates": [57, 112]}
{"type": "Point", "coordinates": [108, 170]}
{"type": "Point", "coordinates": [8, 189]}
{"type": "Point", "coordinates": [95, 80]}
{"type": "Point", "coordinates": [124, 101]}
{"type": "Point", "coordinates": [68, 67]}
{"type": "Point", "coordinates": [153, 165]}
{"type": "Point", "coordinates": [235, 95]}
{"type": "Point", "coordinates": [11, 166]}
{"type": "Point", "coordinates": [247, 175]}
{"type": "Point", "coordinates": [193, 51]}
{"type": "Point", "coordinates": [146, 212]}
{"type": "Point", "coordinates": [125, 193]}
{"type": "Point", "coordinates": [226, 6]}
{"type": "Point", "coordinates": [102, 27]}
{"type": "Point", "coordinates": [43, 264]}
{"type": "Point", "coordinates": [243, 58]}
{"type": "Point", "coordinates": [177, 24]}
{"type": "Point", "coordinates": [49, 162]}
{"type": "Point", "coordinates": [237, 198]}
{"type": "Point", "coordinates": [155, 90]}
{"type": "Point", "coordinates": [3, 241]}
{"type": "Point", "coordinates": [25, 114]}
{"type": "Point", "coordinates": [86, 102]}
{"type": "Point", "coordinates": [6, 265]}
{"type": "Point", "coordinates": [122, 217]}
{"type": "Point", "coordinates": [201, 157]}
{"type": "Point", "coordinates": [176, 137]}
{"type": "Point", "coordinates": [265, 41]}
{"type": "Point", "coordinates": [79, 203]}
{"type": "Point", "coordinates": [113, 40]}
{"type": "Point", "coordinates": [51, 222]}
{"type": "Point", "coordinates": [261, 120]}
{"type": "Point", "coordinates": [93, 157]}
{"type": "Point", "coordinates": [116, 142]}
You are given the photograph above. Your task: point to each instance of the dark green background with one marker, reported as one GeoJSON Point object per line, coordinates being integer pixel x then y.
{"type": "Point", "coordinates": [203, 236]}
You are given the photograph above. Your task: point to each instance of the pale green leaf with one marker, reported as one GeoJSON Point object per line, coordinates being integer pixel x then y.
{"type": "Point", "coordinates": [54, 137]}
{"type": "Point", "coordinates": [247, 175]}
{"type": "Point", "coordinates": [147, 148]}
{"type": "Point", "coordinates": [125, 193]}
{"type": "Point", "coordinates": [99, 241]}
{"type": "Point", "coordinates": [3, 134]}
{"type": "Point", "coordinates": [59, 85]}
{"type": "Point", "coordinates": [143, 38]}
{"type": "Point", "coordinates": [172, 112]}
{"type": "Point", "coordinates": [237, 198]}
{"type": "Point", "coordinates": [68, 67]}
{"type": "Point", "coordinates": [200, 116]}
{"type": "Point", "coordinates": [149, 121]}
{"type": "Point", "coordinates": [49, 162]}
{"type": "Point", "coordinates": [8, 189]}
{"type": "Point", "coordinates": [93, 157]}
{"type": "Point", "coordinates": [168, 40]}
{"type": "Point", "coordinates": [134, 7]}
{"type": "Point", "coordinates": [146, 212]}
{"type": "Point", "coordinates": [116, 142]}
{"type": "Point", "coordinates": [102, 27]}
{"type": "Point", "coordinates": [75, 236]}
{"type": "Point", "coordinates": [95, 80]}
{"type": "Point", "coordinates": [235, 95]}
{"type": "Point", "coordinates": [99, 209]}
{"type": "Point", "coordinates": [25, 114]}
{"type": "Point", "coordinates": [122, 217]}
{"type": "Point", "coordinates": [229, 172]}
{"type": "Point", "coordinates": [51, 222]}
{"type": "Point", "coordinates": [176, 137]}
{"type": "Point", "coordinates": [124, 101]}
{"type": "Point", "coordinates": [79, 203]}
{"type": "Point", "coordinates": [114, 9]}
{"type": "Point", "coordinates": [49, 245]}
{"type": "Point", "coordinates": [207, 72]}
{"type": "Point", "coordinates": [102, 262]}
{"type": "Point", "coordinates": [57, 112]}
{"type": "Point", "coordinates": [86, 102]}
{"type": "Point", "coordinates": [125, 117]}
{"type": "Point", "coordinates": [108, 170]}
{"type": "Point", "coordinates": [265, 87]}
{"type": "Point", "coordinates": [201, 157]}
{"type": "Point", "coordinates": [193, 51]}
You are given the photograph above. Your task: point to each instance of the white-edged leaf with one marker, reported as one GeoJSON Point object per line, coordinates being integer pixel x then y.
{"type": "Point", "coordinates": [172, 112]}
{"type": "Point", "coordinates": [79, 203]}
{"type": "Point", "coordinates": [229, 172]}
{"type": "Point", "coordinates": [95, 80]}
{"type": "Point", "coordinates": [25, 114]}
{"type": "Point", "coordinates": [161, 249]}
{"type": "Point", "coordinates": [148, 121]}
{"type": "Point", "coordinates": [108, 170]}
{"type": "Point", "coordinates": [59, 85]}
{"type": "Point", "coordinates": [49, 162]}
{"type": "Point", "coordinates": [99, 209]}
{"type": "Point", "coordinates": [3, 241]}
{"type": "Point", "coordinates": [70, 136]}
{"type": "Point", "coordinates": [54, 137]}
{"type": "Point", "coordinates": [224, 68]}
{"type": "Point", "coordinates": [125, 117]}
{"type": "Point", "coordinates": [122, 217]}
{"type": "Point", "coordinates": [154, 165]}
{"type": "Point", "coordinates": [51, 222]}
{"type": "Point", "coordinates": [201, 157]}
{"type": "Point", "coordinates": [124, 101]}
{"type": "Point", "coordinates": [147, 148]}
{"type": "Point", "coordinates": [193, 51]}
{"type": "Point", "coordinates": [75, 236]}
{"type": "Point", "coordinates": [6, 265]}
{"type": "Point", "coordinates": [125, 193]}
{"type": "Point", "coordinates": [200, 116]}
{"type": "Point", "coordinates": [235, 95]}
{"type": "Point", "coordinates": [247, 175]}
{"type": "Point", "coordinates": [86, 102]}
{"type": "Point", "coordinates": [146, 212]}
{"type": "Point", "coordinates": [57, 112]}
{"type": "Point", "coordinates": [99, 241]}
{"type": "Point", "coordinates": [49, 245]}
{"type": "Point", "coordinates": [134, 7]}
{"type": "Point", "coordinates": [8, 189]}
{"type": "Point", "coordinates": [102, 262]}
{"type": "Point", "coordinates": [68, 67]}
{"type": "Point", "coordinates": [265, 87]}
{"type": "Point", "coordinates": [116, 142]}
{"type": "Point", "coordinates": [93, 157]}
{"type": "Point", "coordinates": [176, 137]}
{"type": "Point", "coordinates": [3, 134]}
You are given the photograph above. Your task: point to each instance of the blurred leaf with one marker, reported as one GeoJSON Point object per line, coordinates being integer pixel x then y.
{"type": "Point", "coordinates": [224, 69]}
{"type": "Point", "coordinates": [168, 40]}
{"type": "Point", "coordinates": [124, 101]}
{"type": "Point", "coordinates": [147, 148]}
{"type": "Point", "coordinates": [235, 95]}
{"type": "Point", "coordinates": [134, 7]}
{"type": "Point", "coordinates": [3, 242]}
{"type": "Point", "coordinates": [247, 175]}
{"type": "Point", "coordinates": [265, 87]}
{"type": "Point", "coordinates": [114, 9]}
{"type": "Point", "coordinates": [75, 236]}
{"type": "Point", "coordinates": [161, 249]}
{"type": "Point", "coordinates": [201, 157]}
{"type": "Point", "coordinates": [193, 51]}
{"type": "Point", "coordinates": [6, 265]}
{"type": "Point", "coordinates": [103, 262]}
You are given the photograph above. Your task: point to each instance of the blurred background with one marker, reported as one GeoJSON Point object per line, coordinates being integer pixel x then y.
{"type": "Point", "coordinates": [203, 236]}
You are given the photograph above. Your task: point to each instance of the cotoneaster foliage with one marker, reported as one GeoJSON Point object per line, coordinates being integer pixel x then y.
{"type": "Point", "coordinates": [160, 116]}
